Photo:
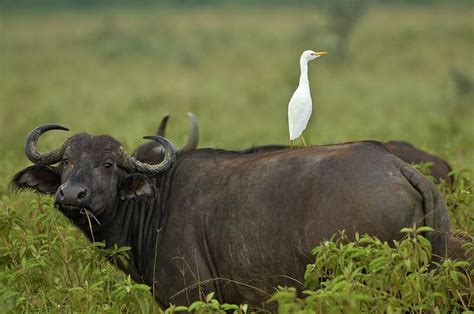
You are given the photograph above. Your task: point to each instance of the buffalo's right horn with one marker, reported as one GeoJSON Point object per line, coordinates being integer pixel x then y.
{"type": "Point", "coordinates": [129, 163]}
{"type": "Point", "coordinates": [34, 155]}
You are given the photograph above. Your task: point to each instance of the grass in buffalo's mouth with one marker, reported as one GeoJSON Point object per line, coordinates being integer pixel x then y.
{"type": "Point", "coordinates": [89, 214]}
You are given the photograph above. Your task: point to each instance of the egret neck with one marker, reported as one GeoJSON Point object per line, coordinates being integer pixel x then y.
{"type": "Point", "coordinates": [304, 71]}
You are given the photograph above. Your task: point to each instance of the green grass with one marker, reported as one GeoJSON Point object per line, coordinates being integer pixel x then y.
{"type": "Point", "coordinates": [117, 71]}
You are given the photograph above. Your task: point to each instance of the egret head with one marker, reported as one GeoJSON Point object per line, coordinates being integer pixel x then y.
{"type": "Point", "coordinates": [309, 55]}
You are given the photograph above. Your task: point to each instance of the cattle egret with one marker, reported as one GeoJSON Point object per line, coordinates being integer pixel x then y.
{"type": "Point", "coordinates": [300, 106]}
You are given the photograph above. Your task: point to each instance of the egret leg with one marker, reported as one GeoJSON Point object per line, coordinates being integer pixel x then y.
{"type": "Point", "coordinates": [291, 144]}
{"type": "Point", "coordinates": [304, 142]}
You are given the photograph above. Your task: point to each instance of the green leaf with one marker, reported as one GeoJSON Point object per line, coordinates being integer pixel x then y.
{"type": "Point", "coordinates": [209, 297]}
{"type": "Point", "coordinates": [424, 229]}
{"type": "Point", "coordinates": [141, 287]}
{"type": "Point", "coordinates": [227, 307]}
{"type": "Point", "coordinates": [181, 309]}
{"type": "Point", "coordinates": [196, 305]}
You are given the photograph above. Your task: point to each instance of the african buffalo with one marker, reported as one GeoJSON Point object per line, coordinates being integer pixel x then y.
{"type": "Point", "coordinates": [440, 169]}
{"type": "Point", "coordinates": [233, 223]}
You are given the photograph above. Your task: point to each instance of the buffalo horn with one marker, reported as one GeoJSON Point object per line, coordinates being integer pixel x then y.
{"type": "Point", "coordinates": [162, 128]}
{"type": "Point", "coordinates": [34, 155]}
{"type": "Point", "coordinates": [134, 165]}
{"type": "Point", "coordinates": [193, 138]}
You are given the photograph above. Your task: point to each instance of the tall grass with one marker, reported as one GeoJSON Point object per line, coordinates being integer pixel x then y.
{"type": "Point", "coordinates": [118, 71]}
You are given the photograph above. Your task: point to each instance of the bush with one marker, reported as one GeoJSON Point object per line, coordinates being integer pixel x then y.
{"type": "Point", "coordinates": [50, 270]}
{"type": "Point", "coordinates": [368, 275]}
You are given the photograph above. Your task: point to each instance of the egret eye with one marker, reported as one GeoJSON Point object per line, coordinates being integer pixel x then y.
{"type": "Point", "coordinates": [108, 165]}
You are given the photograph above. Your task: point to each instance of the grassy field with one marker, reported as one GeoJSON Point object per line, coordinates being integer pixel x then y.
{"type": "Point", "coordinates": [118, 71]}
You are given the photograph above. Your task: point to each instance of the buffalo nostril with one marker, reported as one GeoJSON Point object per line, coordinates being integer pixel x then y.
{"type": "Point", "coordinates": [82, 194]}
{"type": "Point", "coordinates": [61, 192]}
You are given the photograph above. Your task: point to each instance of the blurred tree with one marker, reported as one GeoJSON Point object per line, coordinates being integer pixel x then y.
{"type": "Point", "coordinates": [464, 84]}
{"type": "Point", "coordinates": [343, 16]}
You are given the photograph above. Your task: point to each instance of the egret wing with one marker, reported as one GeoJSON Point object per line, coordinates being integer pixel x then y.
{"type": "Point", "coordinates": [299, 112]}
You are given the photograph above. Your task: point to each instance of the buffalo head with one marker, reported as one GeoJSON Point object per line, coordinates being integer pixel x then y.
{"type": "Point", "coordinates": [93, 173]}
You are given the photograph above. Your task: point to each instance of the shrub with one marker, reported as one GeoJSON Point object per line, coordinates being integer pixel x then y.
{"type": "Point", "coordinates": [369, 275]}
{"type": "Point", "coordinates": [51, 270]}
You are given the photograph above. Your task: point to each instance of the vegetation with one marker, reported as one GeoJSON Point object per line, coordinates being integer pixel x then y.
{"type": "Point", "coordinates": [117, 71]}
{"type": "Point", "coordinates": [343, 17]}
{"type": "Point", "coordinates": [370, 276]}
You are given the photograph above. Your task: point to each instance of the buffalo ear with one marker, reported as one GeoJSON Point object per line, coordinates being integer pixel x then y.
{"type": "Point", "coordinates": [136, 185]}
{"type": "Point", "coordinates": [42, 179]}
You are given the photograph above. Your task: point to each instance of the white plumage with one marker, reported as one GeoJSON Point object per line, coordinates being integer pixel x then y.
{"type": "Point", "coordinates": [299, 111]}
{"type": "Point", "coordinates": [300, 106]}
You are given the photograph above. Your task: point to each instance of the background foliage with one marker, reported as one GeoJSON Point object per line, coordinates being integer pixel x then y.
{"type": "Point", "coordinates": [117, 70]}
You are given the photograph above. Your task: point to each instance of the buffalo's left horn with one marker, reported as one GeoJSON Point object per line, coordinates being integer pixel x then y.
{"type": "Point", "coordinates": [34, 155]}
{"type": "Point", "coordinates": [134, 165]}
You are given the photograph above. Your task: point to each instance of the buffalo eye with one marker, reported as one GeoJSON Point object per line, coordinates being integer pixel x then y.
{"type": "Point", "coordinates": [108, 165]}
{"type": "Point", "coordinates": [65, 162]}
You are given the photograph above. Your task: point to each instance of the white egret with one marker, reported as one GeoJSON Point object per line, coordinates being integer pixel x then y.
{"type": "Point", "coordinates": [300, 106]}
